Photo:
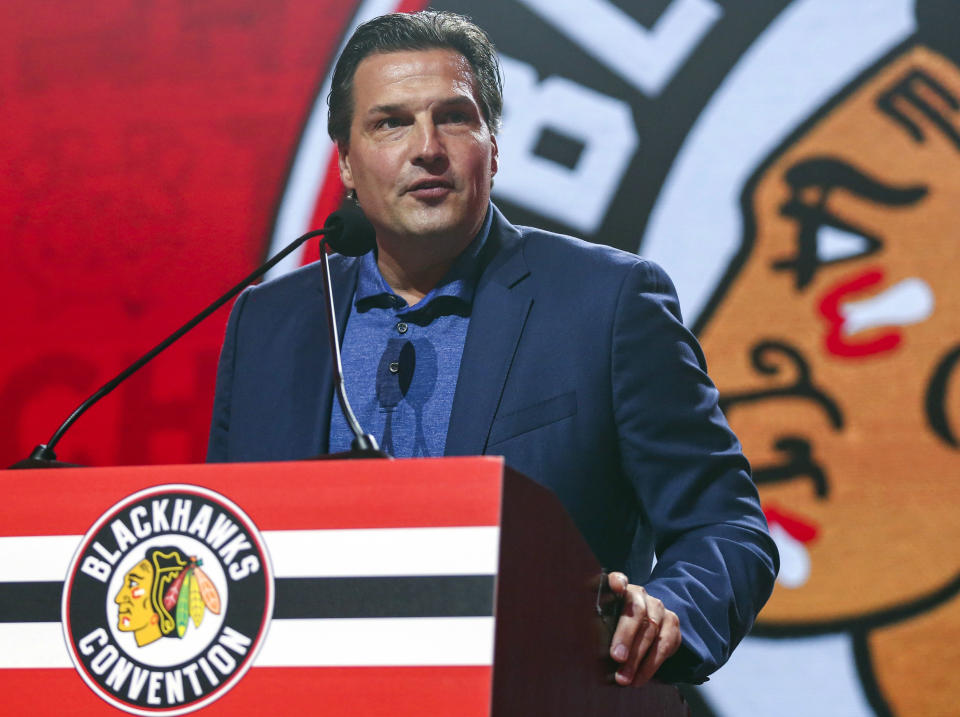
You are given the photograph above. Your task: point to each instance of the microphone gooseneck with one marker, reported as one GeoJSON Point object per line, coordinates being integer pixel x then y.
{"type": "Point", "coordinates": [349, 233]}
{"type": "Point", "coordinates": [352, 235]}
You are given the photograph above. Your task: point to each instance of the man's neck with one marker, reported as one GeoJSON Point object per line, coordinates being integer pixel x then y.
{"type": "Point", "coordinates": [412, 267]}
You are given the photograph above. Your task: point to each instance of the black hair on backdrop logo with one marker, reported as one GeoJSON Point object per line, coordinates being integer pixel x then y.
{"type": "Point", "coordinates": [167, 600]}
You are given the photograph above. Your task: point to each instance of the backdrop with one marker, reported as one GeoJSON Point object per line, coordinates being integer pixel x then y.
{"type": "Point", "coordinates": [795, 166]}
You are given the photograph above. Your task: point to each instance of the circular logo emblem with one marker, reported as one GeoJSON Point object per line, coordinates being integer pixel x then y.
{"type": "Point", "coordinates": [167, 600]}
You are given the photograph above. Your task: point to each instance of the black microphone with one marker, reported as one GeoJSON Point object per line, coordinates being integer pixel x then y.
{"type": "Point", "coordinates": [351, 232]}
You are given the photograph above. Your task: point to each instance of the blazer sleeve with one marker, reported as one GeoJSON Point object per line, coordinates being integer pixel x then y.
{"type": "Point", "coordinates": [218, 443]}
{"type": "Point", "coordinates": [716, 562]}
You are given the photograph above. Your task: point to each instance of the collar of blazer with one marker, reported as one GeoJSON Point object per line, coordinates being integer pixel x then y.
{"type": "Point", "coordinates": [500, 309]}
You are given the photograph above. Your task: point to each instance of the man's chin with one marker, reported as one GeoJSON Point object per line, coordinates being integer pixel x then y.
{"type": "Point", "coordinates": [432, 229]}
{"type": "Point", "coordinates": [447, 217]}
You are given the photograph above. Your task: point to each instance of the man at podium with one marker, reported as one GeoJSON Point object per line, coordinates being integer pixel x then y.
{"type": "Point", "coordinates": [465, 335]}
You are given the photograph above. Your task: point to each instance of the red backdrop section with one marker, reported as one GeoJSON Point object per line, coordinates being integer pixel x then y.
{"type": "Point", "coordinates": [145, 147]}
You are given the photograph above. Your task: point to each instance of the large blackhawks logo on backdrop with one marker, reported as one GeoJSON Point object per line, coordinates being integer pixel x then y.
{"type": "Point", "coordinates": [167, 600]}
{"type": "Point", "coordinates": [803, 195]}
{"type": "Point", "coordinates": [793, 164]}
{"type": "Point", "coordinates": [832, 333]}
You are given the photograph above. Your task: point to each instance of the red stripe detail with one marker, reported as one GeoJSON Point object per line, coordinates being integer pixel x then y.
{"type": "Point", "coordinates": [836, 342]}
{"type": "Point", "coordinates": [330, 691]}
{"type": "Point", "coordinates": [795, 526]}
{"type": "Point", "coordinates": [411, 5]}
{"type": "Point", "coordinates": [431, 492]}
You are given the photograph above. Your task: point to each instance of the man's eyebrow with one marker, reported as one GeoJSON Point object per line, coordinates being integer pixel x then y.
{"type": "Point", "coordinates": [385, 109]}
{"type": "Point", "coordinates": [454, 101]}
{"type": "Point", "coordinates": [135, 575]}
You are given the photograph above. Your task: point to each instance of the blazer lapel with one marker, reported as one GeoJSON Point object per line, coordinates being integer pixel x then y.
{"type": "Point", "coordinates": [343, 277]}
{"type": "Point", "coordinates": [500, 309]}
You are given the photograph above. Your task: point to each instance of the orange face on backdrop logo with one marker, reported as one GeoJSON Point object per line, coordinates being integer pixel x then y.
{"type": "Point", "coordinates": [835, 343]}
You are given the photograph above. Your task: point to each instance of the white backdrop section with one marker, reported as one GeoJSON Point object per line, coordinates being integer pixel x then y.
{"type": "Point", "coordinates": [799, 677]}
{"type": "Point", "coordinates": [579, 195]}
{"type": "Point", "coordinates": [806, 55]}
{"type": "Point", "coordinates": [646, 58]}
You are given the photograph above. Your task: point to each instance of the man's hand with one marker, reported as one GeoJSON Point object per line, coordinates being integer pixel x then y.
{"type": "Point", "coordinates": [646, 635]}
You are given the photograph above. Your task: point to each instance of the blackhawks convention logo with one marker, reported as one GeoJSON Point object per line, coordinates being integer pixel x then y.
{"type": "Point", "coordinates": [167, 600]}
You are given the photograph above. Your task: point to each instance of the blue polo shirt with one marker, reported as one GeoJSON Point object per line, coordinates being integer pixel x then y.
{"type": "Point", "coordinates": [400, 362]}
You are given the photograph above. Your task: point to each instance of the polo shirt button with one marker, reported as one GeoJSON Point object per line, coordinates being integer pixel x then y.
{"type": "Point", "coordinates": [394, 367]}
{"type": "Point", "coordinates": [402, 327]}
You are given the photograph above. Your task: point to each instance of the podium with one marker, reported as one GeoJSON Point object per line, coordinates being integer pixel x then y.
{"type": "Point", "coordinates": [449, 586]}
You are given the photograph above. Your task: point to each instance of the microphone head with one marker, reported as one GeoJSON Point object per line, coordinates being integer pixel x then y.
{"type": "Point", "coordinates": [349, 232]}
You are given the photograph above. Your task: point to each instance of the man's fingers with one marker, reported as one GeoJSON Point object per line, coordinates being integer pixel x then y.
{"type": "Point", "coordinates": [667, 642]}
{"type": "Point", "coordinates": [633, 612]}
{"type": "Point", "coordinates": [637, 630]}
{"type": "Point", "coordinates": [646, 637]}
{"type": "Point", "coordinates": [618, 582]}
{"type": "Point", "coordinates": [623, 636]}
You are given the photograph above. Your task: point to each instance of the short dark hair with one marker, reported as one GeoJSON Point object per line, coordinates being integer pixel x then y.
{"type": "Point", "coordinates": [425, 30]}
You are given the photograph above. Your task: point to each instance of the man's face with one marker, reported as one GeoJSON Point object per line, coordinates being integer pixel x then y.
{"type": "Point", "coordinates": [421, 157]}
{"type": "Point", "coordinates": [832, 348]}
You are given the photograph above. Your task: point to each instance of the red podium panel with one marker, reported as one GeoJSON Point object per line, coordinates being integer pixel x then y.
{"type": "Point", "coordinates": [418, 587]}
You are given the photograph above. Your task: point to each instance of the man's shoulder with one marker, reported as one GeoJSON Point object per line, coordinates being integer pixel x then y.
{"type": "Point", "coordinates": [540, 247]}
{"type": "Point", "coordinates": [307, 279]}
{"type": "Point", "coordinates": [568, 258]}
{"type": "Point", "coordinates": [544, 245]}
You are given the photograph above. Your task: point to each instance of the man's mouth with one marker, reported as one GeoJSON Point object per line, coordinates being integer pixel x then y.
{"type": "Point", "coordinates": [791, 533]}
{"type": "Point", "coordinates": [430, 188]}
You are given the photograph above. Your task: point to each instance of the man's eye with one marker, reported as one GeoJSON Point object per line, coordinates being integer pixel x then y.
{"type": "Point", "coordinates": [455, 117]}
{"type": "Point", "coordinates": [389, 123]}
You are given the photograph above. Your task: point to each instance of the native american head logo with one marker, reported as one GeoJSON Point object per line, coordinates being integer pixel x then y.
{"type": "Point", "coordinates": [167, 600]}
{"type": "Point", "coordinates": [834, 341]}
{"type": "Point", "coordinates": [162, 594]}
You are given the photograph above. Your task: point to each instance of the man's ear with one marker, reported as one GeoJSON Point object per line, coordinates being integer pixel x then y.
{"type": "Point", "coordinates": [343, 161]}
{"type": "Point", "coordinates": [494, 156]}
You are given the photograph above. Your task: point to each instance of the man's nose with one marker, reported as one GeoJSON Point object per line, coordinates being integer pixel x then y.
{"type": "Point", "coordinates": [428, 144]}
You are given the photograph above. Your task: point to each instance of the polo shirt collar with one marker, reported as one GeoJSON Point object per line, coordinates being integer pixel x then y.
{"type": "Point", "coordinates": [458, 284]}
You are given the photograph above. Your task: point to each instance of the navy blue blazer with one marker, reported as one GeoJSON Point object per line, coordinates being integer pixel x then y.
{"type": "Point", "coordinates": [578, 370]}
